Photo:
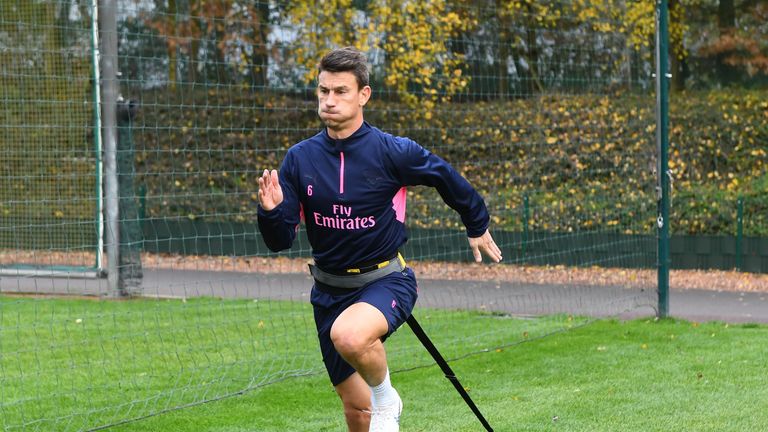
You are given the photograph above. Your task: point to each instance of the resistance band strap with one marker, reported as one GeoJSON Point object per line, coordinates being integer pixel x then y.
{"type": "Point", "coordinates": [419, 332]}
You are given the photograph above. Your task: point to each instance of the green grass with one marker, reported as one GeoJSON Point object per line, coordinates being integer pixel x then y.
{"type": "Point", "coordinates": [608, 376]}
{"type": "Point", "coordinates": [76, 364]}
{"type": "Point", "coordinates": [79, 364]}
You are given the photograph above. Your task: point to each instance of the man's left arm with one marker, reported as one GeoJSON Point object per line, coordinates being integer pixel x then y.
{"type": "Point", "coordinates": [421, 167]}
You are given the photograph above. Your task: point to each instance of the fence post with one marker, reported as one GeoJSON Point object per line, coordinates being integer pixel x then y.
{"type": "Point", "coordinates": [109, 92]}
{"type": "Point", "coordinates": [739, 230]}
{"type": "Point", "coordinates": [97, 139]}
{"type": "Point", "coordinates": [131, 236]}
{"type": "Point", "coordinates": [662, 139]}
{"type": "Point", "coordinates": [526, 218]}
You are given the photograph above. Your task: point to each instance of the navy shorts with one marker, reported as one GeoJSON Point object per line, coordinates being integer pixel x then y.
{"type": "Point", "coordinates": [394, 295]}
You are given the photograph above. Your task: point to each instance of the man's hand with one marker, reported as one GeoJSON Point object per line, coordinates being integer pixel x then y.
{"type": "Point", "coordinates": [486, 245]}
{"type": "Point", "coordinates": [270, 192]}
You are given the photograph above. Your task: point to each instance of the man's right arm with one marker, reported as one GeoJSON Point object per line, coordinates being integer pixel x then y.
{"type": "Point", "coordinates": [278, 214]}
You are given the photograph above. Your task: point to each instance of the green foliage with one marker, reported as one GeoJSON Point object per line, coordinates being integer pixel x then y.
{"type": "Point", "coordinates": [585, 162]}
{"type": "Point", "coordinates": [46, 133]}
{"type": "Point", "coordinates": [717, 154]}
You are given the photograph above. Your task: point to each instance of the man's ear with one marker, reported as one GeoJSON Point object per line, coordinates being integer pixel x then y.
{"type": "Point", "coordinates": [365, 95]}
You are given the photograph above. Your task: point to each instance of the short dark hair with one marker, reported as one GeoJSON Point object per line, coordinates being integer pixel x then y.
{"type": "Point", "coordinates": [347, 59]}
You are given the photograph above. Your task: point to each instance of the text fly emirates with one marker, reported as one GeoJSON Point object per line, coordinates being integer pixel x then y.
{"type": "Point", "coordinates": [342, 219]}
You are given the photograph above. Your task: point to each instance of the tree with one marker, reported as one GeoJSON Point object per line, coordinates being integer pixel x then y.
{"type": "Point", "coordinates": [503, 47]}
{"type": "Point", "coordinates": [529, 18]}
{"type": "Point", "coordinates": [416, 36]}
{"type": "Point", "coordinates": [260, 56]}
{"type": "Point", "coordinates": [413, 38]}
{"type": "Point", "coordinates": [543, 45]}
{"type": "Point", "coordinates": [726, 26]}
{"type": "Point", "coordinates": [742, 42]}
{"type": "Point", "coordinates": [729, 37]}
{"type": "Point", "coordinates": [229, 33]}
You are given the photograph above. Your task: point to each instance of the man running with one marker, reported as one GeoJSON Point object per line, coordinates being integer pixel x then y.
{"type": "Point", "coordinates": [348, 185]}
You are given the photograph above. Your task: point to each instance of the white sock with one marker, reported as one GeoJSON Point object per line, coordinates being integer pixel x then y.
{"type": "Point", "coordinates": [384, 393]}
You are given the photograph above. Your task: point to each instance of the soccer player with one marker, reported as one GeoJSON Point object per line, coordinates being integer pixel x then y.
{"type": "Point", "coordinates": [348, 185]}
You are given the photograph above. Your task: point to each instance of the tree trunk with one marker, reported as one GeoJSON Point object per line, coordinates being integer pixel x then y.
{"type": "Point", "coordinates": [199, 27]}
{"type": "Point", "coordinates": [726, 23]}
{"type": "Point", "coordinates": [678, 66]}
{"type": "Point", "coordinates": [172, 57]}
{"type": "Point", "coordinates": [502, 57]}
{"type": "Point", "coordinates": [534, 83]}
{"type": "Point", "coordinates": [260, 59]}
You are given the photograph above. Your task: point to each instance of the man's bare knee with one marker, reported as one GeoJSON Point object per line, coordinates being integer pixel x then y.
{"type": "Point", "coordinates": [357, 330]}
{"type": "Point", "coordinates": [349, 342]}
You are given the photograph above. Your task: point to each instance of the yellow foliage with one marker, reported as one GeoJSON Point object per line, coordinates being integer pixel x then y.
{"type": "Point", "coordinates": [413, 34]}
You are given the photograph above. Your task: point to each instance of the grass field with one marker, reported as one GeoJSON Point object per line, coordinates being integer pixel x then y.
{"type": "Point", "coordinates": [608, 376]}
{"type": "Point", "coordinates": [78, 364]}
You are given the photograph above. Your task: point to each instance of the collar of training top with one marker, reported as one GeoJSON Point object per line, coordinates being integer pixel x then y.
{"type": "Point", "coordinates": [344, 143]}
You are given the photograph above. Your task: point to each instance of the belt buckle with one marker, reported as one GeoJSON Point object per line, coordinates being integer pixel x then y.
{"type": "Point", "coordinates": [369, 268]}
{"type": "Point", "coordinates": [373, 267]}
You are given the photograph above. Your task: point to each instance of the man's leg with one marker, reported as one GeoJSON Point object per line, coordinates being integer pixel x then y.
{"type": "Point", "coordinates": [356, 335]}
{"type": "Point", "coordinates": [356, 397]}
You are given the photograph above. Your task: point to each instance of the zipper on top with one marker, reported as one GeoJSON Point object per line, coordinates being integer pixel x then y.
{"type": "Point", "coordinates": [341, 173]}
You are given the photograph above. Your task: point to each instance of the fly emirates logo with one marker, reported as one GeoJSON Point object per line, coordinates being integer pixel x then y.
{"type": "Point", "coordinates": [342, 219]}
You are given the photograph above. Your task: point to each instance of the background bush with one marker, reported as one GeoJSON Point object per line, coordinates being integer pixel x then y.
{"type": "Point", "coordinates": [582, 161]}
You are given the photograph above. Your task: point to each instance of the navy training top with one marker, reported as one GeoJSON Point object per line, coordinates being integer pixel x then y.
{"type": "Point", "coordinates": [351, 195]}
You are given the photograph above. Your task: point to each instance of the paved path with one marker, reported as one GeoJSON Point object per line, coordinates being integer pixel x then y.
{"type": "Point", "coordinates": [699, 305]}
{"type": "Point", "coordinates": [695, 305]}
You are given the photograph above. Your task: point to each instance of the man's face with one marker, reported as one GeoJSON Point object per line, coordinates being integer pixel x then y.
{"type": "Point", "coordinates": [340, 101]}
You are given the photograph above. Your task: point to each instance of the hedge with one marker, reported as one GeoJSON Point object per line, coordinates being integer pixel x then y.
{"type": "Point", "coordinates": [582, 162]}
